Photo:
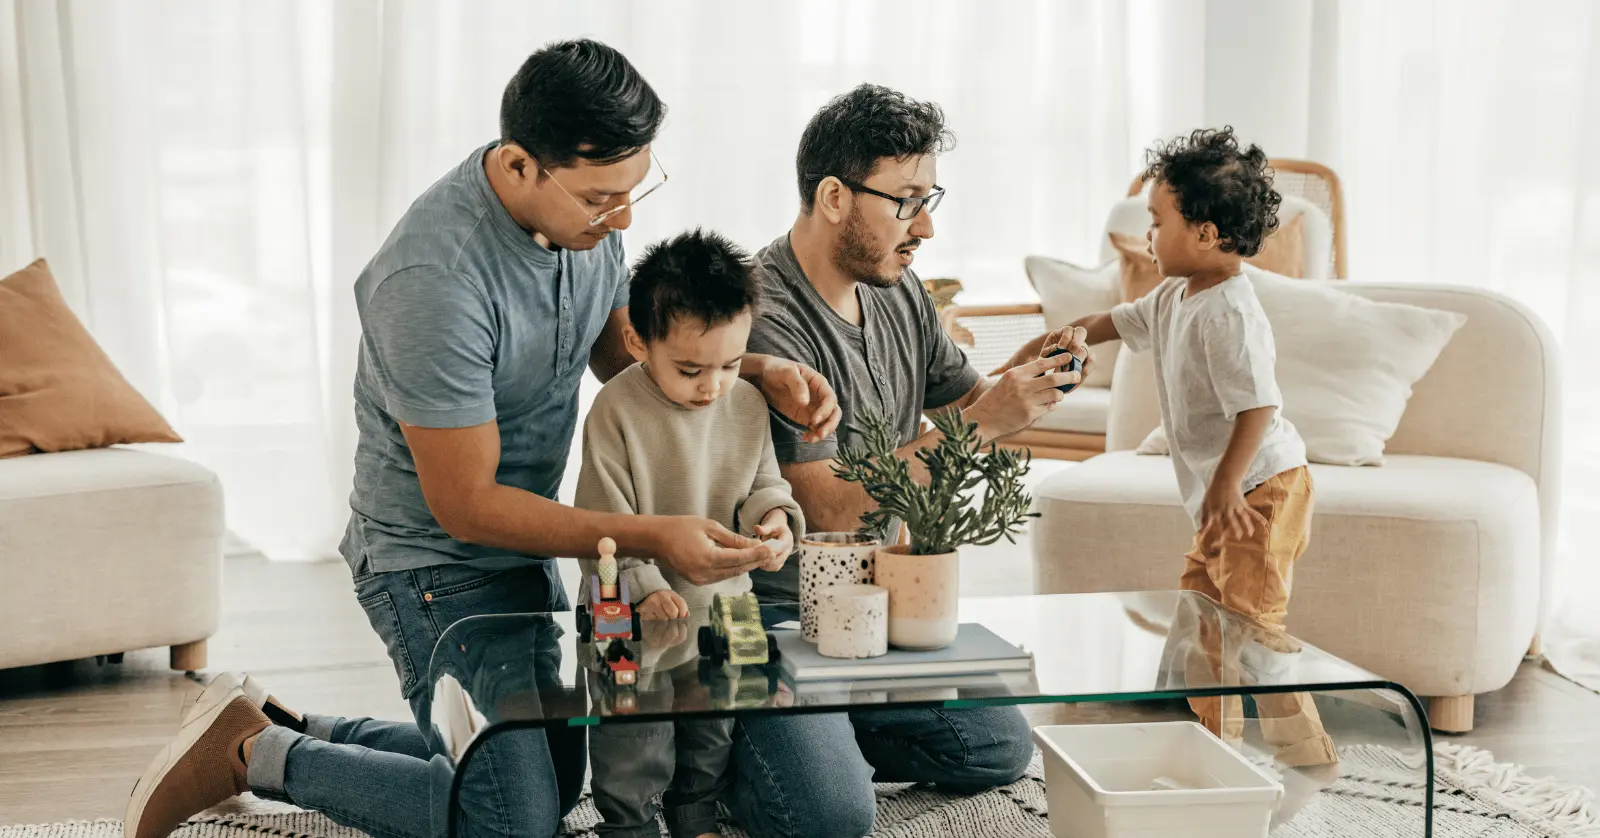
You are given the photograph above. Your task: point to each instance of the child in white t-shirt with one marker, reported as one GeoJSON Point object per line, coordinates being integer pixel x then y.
{"type": "Point", "coordinates": [1241, 466]}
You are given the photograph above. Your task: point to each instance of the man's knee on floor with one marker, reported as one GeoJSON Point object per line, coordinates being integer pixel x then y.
{"type": "Point", "coordinates": [841, 815]}
{"type": "Point", "coordinates": [1000, 757]}
{"type": "Point", "coordinates": [843, 807]}
{"type": "Point", "coordinates": [496, 827]}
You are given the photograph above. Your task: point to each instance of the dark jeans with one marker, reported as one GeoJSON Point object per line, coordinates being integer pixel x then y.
{"type": "Point", "coordinates": [811, 775]}
{"type": "Point", "coordinates": [392, 779]}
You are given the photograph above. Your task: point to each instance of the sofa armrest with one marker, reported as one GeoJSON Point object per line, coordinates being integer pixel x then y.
{"type": "Point", "coordinates": [990, 335]}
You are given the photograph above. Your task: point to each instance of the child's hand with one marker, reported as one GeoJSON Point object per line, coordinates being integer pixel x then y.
{"type": "Point", "coordinates": [1074, 339]}
{"type": "Point", "coordinates": [663, 605]}
{"type": "Point", "coordinates": [775, 527]}
{"type": "Point", "coordinates": [1224, 511]}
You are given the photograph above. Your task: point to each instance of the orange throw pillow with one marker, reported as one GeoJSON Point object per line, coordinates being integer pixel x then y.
{"type": "Point", "coordinates": [1284, 252]}
{"type": "Point", "coordinates": [58, 389]}
{"type": "Point", "coordinates": [1139, 274]}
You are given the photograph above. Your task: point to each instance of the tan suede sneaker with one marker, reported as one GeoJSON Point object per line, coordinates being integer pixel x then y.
{"type": "Point", "coordinates": [199, 769]}
{"type": "Point", "coordinates": [277, 712]}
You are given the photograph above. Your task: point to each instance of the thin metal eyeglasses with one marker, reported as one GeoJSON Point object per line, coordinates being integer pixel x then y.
{"type": "Point", "coordinates": [908, 207]}
{"type": "Point", "coordinates": [597, 220]}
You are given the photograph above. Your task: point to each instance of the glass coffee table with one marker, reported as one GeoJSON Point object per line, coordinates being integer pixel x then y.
{"type": "Point", "coordinates": [1125, 656]}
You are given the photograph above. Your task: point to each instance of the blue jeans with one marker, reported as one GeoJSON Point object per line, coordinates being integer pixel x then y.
{"type": "Point", "coordinates": [392, 779]}
{"type": "Point", "coordinates": [811, 775]}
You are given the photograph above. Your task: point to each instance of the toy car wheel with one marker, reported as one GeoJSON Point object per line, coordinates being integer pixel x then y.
{"type": "Point", "coordinates": [581, 617]}
{"type": "Point", "coordinates": [638, 628]}
{"type": "Point", "coordinates": [773, 655]}
{"type": "Point", "coordinates": [708, 642]}
{"type": "Point", "coordinates": [724, 650]}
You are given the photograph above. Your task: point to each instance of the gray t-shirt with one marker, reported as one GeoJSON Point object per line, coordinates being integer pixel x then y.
{"type": "Point", "coordinates": [465, 319]}
{"type": "Point", "coordinates": [898, 362]}
{"type": "Point", "coordinates": [1214, 359]}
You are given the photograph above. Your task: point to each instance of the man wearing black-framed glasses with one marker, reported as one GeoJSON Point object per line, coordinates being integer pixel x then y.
{"type": "Point", "coordinates": [841, 297]}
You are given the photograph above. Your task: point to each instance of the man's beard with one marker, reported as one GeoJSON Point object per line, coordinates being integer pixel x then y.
{"type": "Point", "coordinates": [860, 254]}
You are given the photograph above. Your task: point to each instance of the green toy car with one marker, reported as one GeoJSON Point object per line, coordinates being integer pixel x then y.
{"type": "Point", "coordinates": [735, 635]}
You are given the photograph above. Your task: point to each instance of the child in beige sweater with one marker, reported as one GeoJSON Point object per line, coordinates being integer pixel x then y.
{"type": "Point", "coordinates": [679, 433]}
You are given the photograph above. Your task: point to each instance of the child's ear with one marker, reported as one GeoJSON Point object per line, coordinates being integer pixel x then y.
{"type": "Point", "coordinates": [1208, 237]}
{"type": "Point", "coordinates": [635, 344]}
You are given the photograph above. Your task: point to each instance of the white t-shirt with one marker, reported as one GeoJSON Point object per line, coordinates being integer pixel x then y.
{"type": "Point", "coordinates": [1214, 359]}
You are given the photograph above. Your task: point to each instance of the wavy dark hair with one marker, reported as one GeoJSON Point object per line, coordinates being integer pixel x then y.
{"type": "Point", "coordinates": [857, 129]}
{"type": "Point", "coordinates": [580, 98]}
{"type": "Point", "coordinates": [1216, 181]}
{"type": "Point", "coordinates": [698, 275]}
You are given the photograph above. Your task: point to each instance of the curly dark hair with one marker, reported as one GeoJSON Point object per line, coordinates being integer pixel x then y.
{"type": "Point", "coordinates": [857, 129]}
{"type": "Point", "coordinates": [1215, 181]}
{"type": "Point", "coordinates": [580, 98]}
{"type": "Point", "coordinates": [698, 275]}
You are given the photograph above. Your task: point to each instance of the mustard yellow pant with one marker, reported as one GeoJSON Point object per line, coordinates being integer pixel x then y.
{"type": "Point", "coordinates": [1253, 576]}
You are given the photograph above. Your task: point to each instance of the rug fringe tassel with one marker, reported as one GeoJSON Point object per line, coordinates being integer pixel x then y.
{"type": "Point", "coordinates": [1565, 805]}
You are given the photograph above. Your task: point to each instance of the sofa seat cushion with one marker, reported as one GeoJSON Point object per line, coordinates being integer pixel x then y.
{"type": "Point", "coordinates": [1410, 566]}
{"type": "Point", "coordinates": [107, 550]}
{"type": "Point", "coordinates": [1083, 411]}
{"type": "Point", "coordinates": [115, 470]}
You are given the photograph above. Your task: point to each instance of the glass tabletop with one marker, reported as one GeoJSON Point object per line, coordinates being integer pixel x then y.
{"type": "Point", "coordinates": [536, 670]}
{"type": "Point", "coordinates": [1084, 647]}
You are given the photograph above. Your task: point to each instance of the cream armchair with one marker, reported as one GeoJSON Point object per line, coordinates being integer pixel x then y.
{"type": "Point", "coordinates": [1432, 570]}
{"type": "Point", "coordinates": [108, 551]}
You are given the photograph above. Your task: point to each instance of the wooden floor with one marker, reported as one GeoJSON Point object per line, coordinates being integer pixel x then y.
{"type": "Point", "coordinates": [73, 737]}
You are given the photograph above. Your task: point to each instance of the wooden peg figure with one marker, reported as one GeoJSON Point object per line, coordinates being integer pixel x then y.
{"type": "Point", "coordinates": [607, 569]}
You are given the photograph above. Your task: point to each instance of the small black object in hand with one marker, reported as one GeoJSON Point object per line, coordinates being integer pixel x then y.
{"type": "Point", "coordinates": [1075, 366]}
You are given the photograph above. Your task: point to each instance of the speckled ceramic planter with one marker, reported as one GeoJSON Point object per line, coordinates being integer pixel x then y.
{"type": "Point", "coordinates": [852, 621]}
{"type": "Point", "coordinates": [922, 596]}
{"type": "Point", "coordinates": [828, 559]}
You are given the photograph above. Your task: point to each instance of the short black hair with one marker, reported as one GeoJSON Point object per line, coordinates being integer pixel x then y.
{"type": "Point", "coordinates": [697, 275]}
{"type": "Point", "coordinates": [580, 98]}
{"type": "Point", "coordinates": [1216, 181]}
{"type": "Point", "coordinates": [857, 129]}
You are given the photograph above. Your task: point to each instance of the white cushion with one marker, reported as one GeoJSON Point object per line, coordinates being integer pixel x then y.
{"type": "Point", "coordinates": [118, 471]}
{"type": "Point", "coordinates": [1068, 292]}
{"type": "Point", "coordinates": [1426, 571]}
{"type": "Point", "coordinates": [1083, 411]}
{"type": "Point", "coordinates": [1129, 216]}
{"type": "Point", "coordinates": [107, 550]}
{"type": "Point", "coordinates": [1323, 335]}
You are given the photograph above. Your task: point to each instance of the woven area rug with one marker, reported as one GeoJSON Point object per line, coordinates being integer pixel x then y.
{"type": "Point", "coordinates": [1376, 797]}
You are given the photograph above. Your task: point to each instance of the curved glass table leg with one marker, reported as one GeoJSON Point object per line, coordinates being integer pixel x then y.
{"type": "Point", "coordinates": [1380, 746]}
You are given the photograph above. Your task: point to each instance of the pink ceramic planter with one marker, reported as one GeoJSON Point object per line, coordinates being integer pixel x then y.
{"type": "Point", "coordinates": [922, 596]}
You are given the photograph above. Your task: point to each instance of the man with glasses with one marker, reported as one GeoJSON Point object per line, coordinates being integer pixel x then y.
{"type": "Point", "coordinates": [841, 297]}
{"type": "Point", "coordinates": [479, 315]}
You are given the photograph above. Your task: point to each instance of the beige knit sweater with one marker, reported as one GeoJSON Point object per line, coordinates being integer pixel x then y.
{"type": "Point", "coordinates": [645, 454]}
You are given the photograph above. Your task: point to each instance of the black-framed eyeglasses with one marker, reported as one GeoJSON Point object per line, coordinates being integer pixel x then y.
{"type": "Point", "coordinates": [908, 207]}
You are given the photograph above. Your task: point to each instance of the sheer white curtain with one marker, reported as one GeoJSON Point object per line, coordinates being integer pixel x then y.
{"type": "Point", "coordinates": [1467, 143]}
{"type": "Point", "coordinates": [207, 178]}
{"type": "Point", "coordinates": [173, 160]}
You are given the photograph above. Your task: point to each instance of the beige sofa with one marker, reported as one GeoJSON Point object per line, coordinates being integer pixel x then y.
{"type": "Point", "coordinates": [107, 551]}
{"type": "Point", "coordinates": [1432, 570]}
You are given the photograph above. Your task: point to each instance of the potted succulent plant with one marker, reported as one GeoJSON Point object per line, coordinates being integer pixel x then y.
{"type": "Point", "coordinates": [941, 516]}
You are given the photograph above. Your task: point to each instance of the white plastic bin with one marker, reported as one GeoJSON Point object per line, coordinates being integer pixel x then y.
{"type": "Point", "coordinates": [1099, 781]}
